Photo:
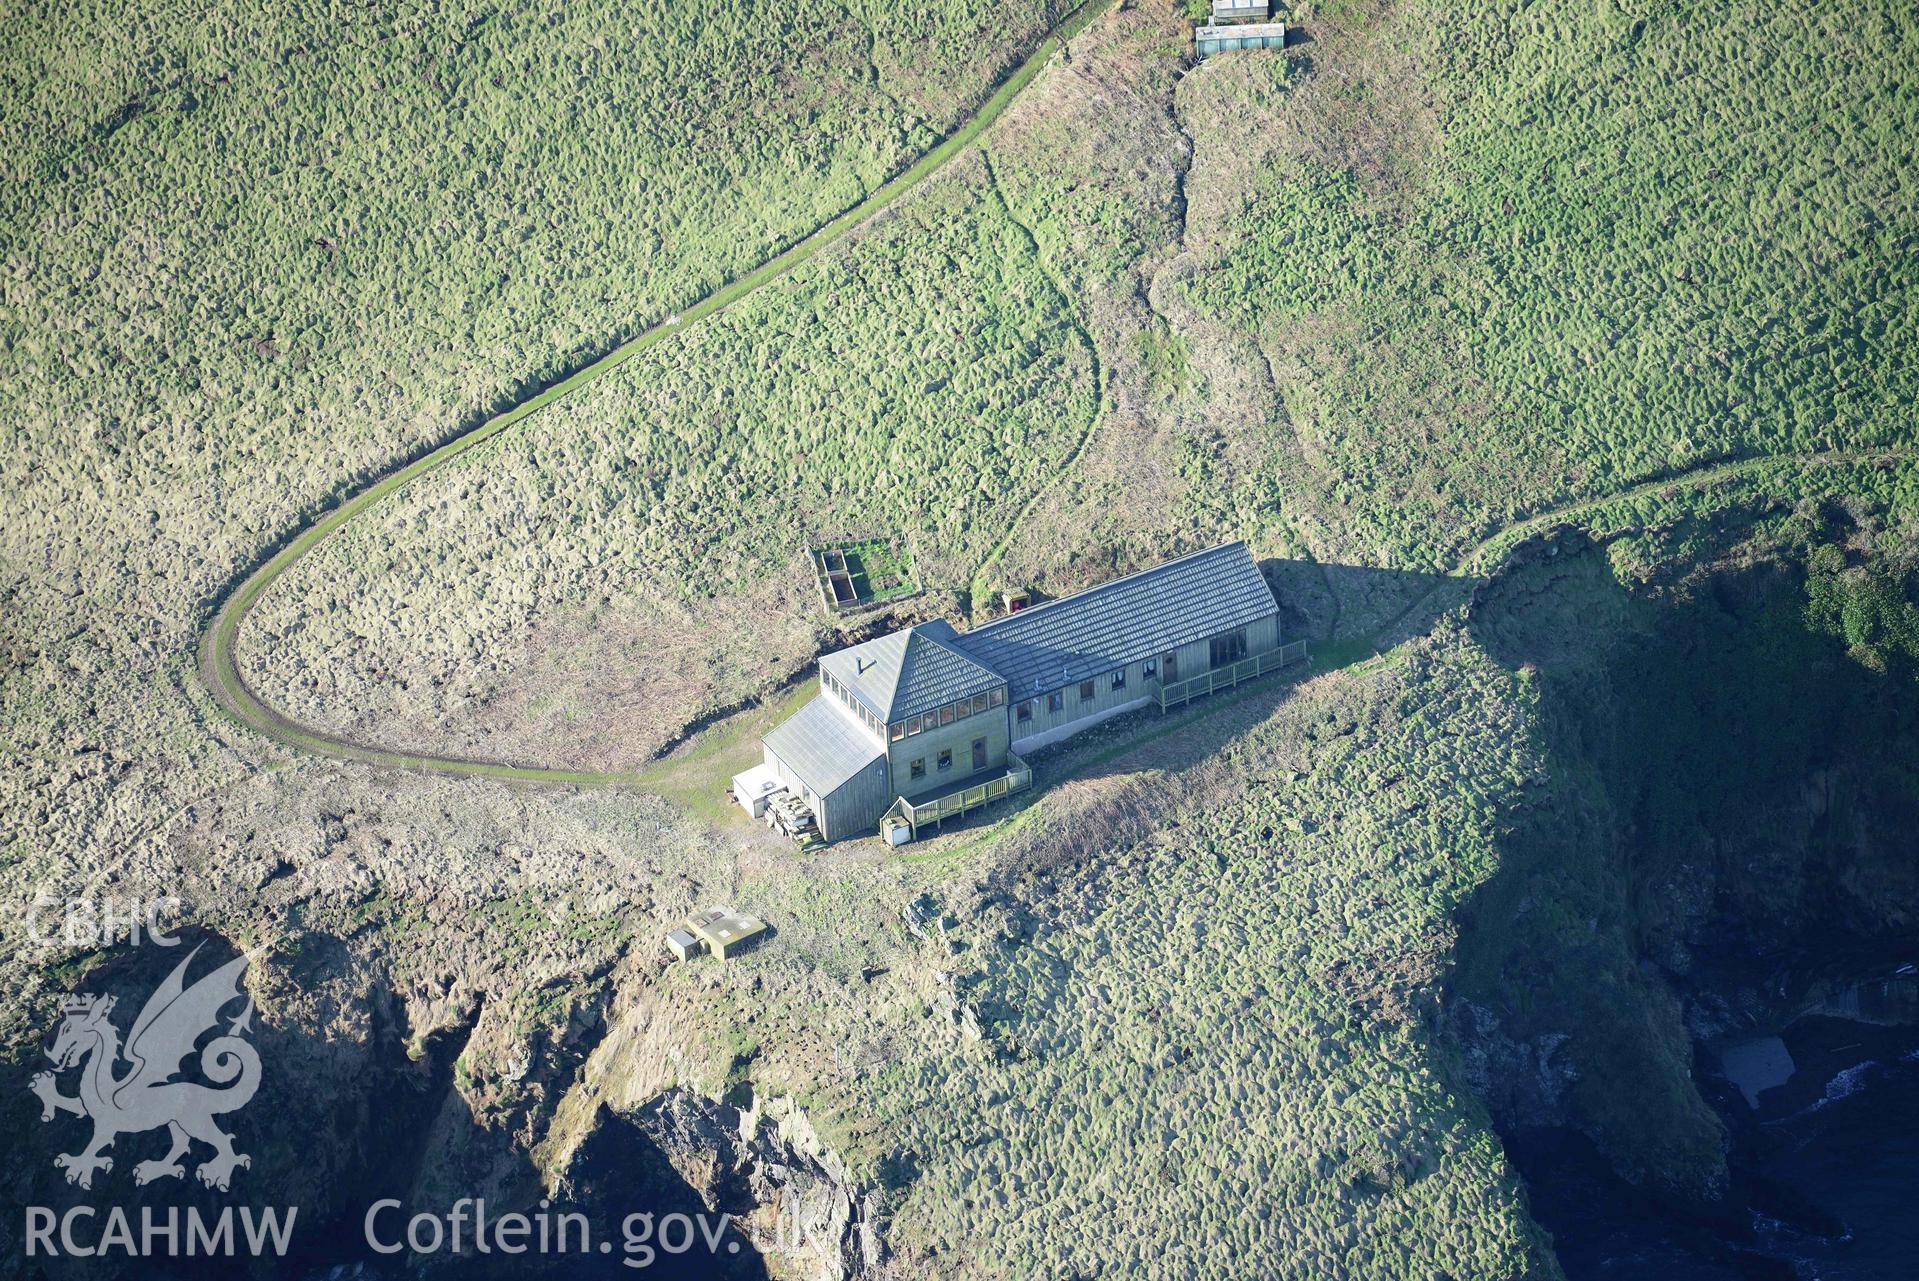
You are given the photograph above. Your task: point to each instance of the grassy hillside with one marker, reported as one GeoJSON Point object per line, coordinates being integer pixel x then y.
{"type": "Point", "coordinates": [1727, 701]}
{"type": "Point", "coordinates": [1436, 269]}
{"type": "Point", "coordinates": [254, 258]}
{"type": "Point", "coordinates": [1571, 246]}
{"type": "Point", "coordinates": [635, 558]}
{"type": "Point", "coordinates": [1434, 274]}
{"type": "Point", "coordinates": [1205, 1050]}
{"type": "Point", "coordinates": [582, 589]}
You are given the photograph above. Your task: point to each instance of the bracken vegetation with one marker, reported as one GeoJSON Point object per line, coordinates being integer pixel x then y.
{"type": "Point", "coordinates": [922, 382]}
{"type": "Point", "coordinates": [250, 259]}
{"type": "Point", "coordinates": [1208, 1052]}
{"type": "Point", "coordinates": [1730, 759]}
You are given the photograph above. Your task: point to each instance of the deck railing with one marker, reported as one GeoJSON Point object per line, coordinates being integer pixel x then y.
{"type": "Point", "coordinates": [1173, 693]}
{"type": "Point", "coordinates": [1017, 778]}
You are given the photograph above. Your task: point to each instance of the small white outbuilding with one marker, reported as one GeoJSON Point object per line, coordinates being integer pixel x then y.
{"type": "Point", "coordinates": [753, 788]}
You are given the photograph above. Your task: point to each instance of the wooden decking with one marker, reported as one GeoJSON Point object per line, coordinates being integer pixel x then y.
{"type": "Point", "coordinates": [1173, 693]}
{"type": "Point", "coordinates": [1017, 778]}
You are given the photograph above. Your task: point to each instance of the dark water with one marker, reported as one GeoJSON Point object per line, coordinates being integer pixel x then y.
{"type": "Point", "coordinates": [1827, 1168]}
{"type": "Point", "coordinates": [1852, 1149]}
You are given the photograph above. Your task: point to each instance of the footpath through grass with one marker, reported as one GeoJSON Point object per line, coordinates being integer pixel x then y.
{"type": "Point", "coordinates": [218, 667]}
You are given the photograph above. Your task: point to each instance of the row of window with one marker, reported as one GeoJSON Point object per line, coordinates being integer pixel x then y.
{"type": "Point", "coordinates": [944, 761]}
{"type": "Point", "coordinates": [1227, 648]}
{"type": "Point", "coordinates": [1089, 689]}
{"type": "Point", "coordinates": [956, 711]}
{"type": "Point", "coordinates": [858, 708]}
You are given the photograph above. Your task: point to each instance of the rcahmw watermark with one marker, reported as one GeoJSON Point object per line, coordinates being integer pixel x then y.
{"type": "Point", "coordinates": [83, 1232]}
{"type": "Point", "coordinates": [99, 922]}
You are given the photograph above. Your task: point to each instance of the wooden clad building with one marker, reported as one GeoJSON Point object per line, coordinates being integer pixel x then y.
{"type": "Point", "coordinates": [930, 711]}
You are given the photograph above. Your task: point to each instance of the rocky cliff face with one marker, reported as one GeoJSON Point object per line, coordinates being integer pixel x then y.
{"type": "Point", "coordinates": [356, 1101]}
{"type": "Point", "coordinates": [764, 1164]}
{"type": "Point", "coordinates": [1731, 806]}
{"type": "Point", "coordinates": [369, 1090]}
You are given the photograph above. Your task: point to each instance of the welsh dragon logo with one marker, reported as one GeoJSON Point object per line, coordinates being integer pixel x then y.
{"type": "Point", "coordinates": [145, 1096]}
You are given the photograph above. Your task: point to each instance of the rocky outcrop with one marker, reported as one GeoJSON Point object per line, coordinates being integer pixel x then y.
{"type": "Point", "coordinates": [788, 1191]}
{"type": "Point", "coordinates": [1727, 808]}
{"type": "Point", "coordinates": [1523, 1081]}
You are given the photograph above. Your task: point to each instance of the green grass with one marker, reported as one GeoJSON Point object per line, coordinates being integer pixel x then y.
{"type": "Point", "coordinates": [1471, 266]}
{"type": "Point", "coordinates": [217, 660]}
{"type": "Point", "coordinates": [1168, 362]}
{"type": "Point", "coordinates": [1700, 689]}
{"type": "Point", "coordinates": [258, 259]}
{"type": "Point", "coordinates": [931, 356]}
{"type": "Point", "coordinates": [879, 570]}
{"type": "Point", "coordinates": [1234, 1010]}
{"type": "Point", "coordinates": [1627, 242]}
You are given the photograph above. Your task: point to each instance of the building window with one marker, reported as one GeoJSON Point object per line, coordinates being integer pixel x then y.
{"type": "Point", "coordinates": [946, 760]}
{"type": "Point", "coordinates": [1149, 668]}
{"type": "Point", "coordinates": [1056, 700]}
{"type": "Point", "coordinates": [997, 699]}
{"type": "Point", "coordinates": [1119, 678]}
{"type": "Point", "coordinates": [979, 704]}
{"type": "Point", "coordinates": [912, 726]}
{"type": "Point", "coordinates": [1229, 647]}
{"type": "Point", "coordinates": [979, 754]}
{"type": "Point", "coordinates": [1024, 711]}
{"type": "Point", "coordinates": [896, 731]}
{"type": "Point", "coordinates": [1086, 691]}
{"type": "Point", "coordinates": [946, 714]}
{"type": "Point", "coordinates": [918, 768]}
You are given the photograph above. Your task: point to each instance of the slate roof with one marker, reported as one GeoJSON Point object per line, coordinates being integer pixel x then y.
{"type": "Point", "coordinates": [908, 672]}
{"type": "Point", "coordinates": [1075, 637]}
{"type": "Point", "coordinates": [823, 744]}
{"type": "Point", "coordinates": [1040, 648]}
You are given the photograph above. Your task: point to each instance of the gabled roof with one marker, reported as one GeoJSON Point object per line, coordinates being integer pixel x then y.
{"type": "Point", "coordinates": [1131, 618]}
{"type": "Point", "coordinates": [823, 744]}
{"type": "Point", "coordinates": [908, 672]}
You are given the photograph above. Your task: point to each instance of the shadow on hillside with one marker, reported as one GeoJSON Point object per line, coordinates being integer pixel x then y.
{"type": "Point", "coordinates": [344, 1119]}
{"type": "Point", "coordinates": [1724, 793]}
{"type": "Point", "coordinates": [1314, 598]}
{"type": "Point", "coordinates": [1347, 607]}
